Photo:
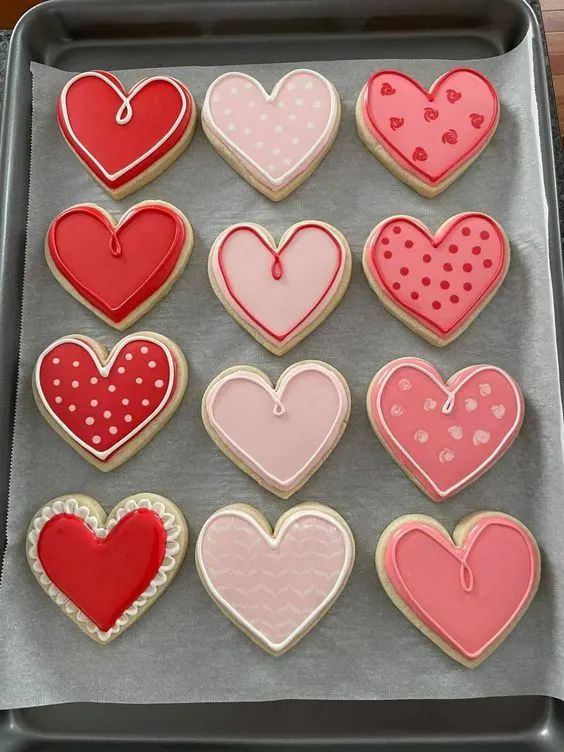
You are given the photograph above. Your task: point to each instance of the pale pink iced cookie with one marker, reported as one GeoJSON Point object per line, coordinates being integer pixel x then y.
{"type": "Point", "coordinates": [444, 435]}
{"type": "Point", "coordinates": [436, 284]}
{"type": "Point", "coordinates": [107, 406]}
{"type": "Point", "coordinates": [105, 571]}
{"type": "Point", "coordinates": [125, 138]}
{"type": "Point", "coordinates": [465, 593]}
{"type": "Point", "coordinates": [274, 141]}
{"type": "Point", "coordinates": [427, 138]}
{"type": "Point", "coordinates": [275, 585]}
{"type": "Point", "coordinates": [280, 293]}
{"type": "Point", "coordinates": [281, 435]}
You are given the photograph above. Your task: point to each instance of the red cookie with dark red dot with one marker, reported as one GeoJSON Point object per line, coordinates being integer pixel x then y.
{"type": "Point", "coordinates": [427, 138]}
{"type": "Point", "coordinates": [436, 284]}
{"type": "Point", "coordinates": [107, 406]}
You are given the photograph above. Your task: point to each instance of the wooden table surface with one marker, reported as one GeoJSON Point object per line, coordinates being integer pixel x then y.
{"type": "Point", "coordinates": [552, 10]}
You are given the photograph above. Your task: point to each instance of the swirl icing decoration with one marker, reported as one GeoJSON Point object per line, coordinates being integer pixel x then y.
{"type": "Point", "coordinates": [119, 270]}
{"type": "Point", "coordinates": [274, 141]}
{"type": "Point", "coordinates": [281, 435]}
{"type": "Point", "coordinates": [103, 571]}
{"type": "Point", "coordinates": [275, 585]}
{"type": "Point", "coordinates": [279, 294]}
{"type": "Point", "coordinates": [444, 435]}
{"type": "Point", "coordinates": [437, 284]}
{"type": "Point", "coordinates": [466, 593]}
{"type": "Point", "coordinates": [107, 406]}
{"type": "Point", "coordinates": [451, 123]}
{"type": "Point", "coordinates": [126, 138]}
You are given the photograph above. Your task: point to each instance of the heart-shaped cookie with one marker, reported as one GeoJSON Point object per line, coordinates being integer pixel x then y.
{"type": "Point", "coordinates": [427, 138]}
{"type": "Point", "coordinates": [119, 270]}
{"type": "Point", "coordinates": [444, 435]}
{"type": "Point", "coordinates": [278, 435]}
{"type": "Point", "coordinates": [273, 141]}
{"type": "Point", "coordinates": [108, 406]}
{"type": "Point", "coordinates": [436, 284]}
{"type": "Point", "coordinates": [275, 585]}
{"type": "Point", "coordinates": [103, 571]}
{"type": "Point", "coordinates": [126, 138]}
{"type": "Point", "coordinates": [280, 294]}
{"type": "Point", "coordinates": [466, 593]}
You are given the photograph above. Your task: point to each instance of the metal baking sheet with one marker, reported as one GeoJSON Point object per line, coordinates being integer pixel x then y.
{"type": "Point", "coordinates": [80, 36]}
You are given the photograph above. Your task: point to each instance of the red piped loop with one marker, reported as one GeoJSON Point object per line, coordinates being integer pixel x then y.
{"type": "Point", "coordinates": [466, 577]}
{"type": "Point", "coordinates": [115, 247]}
{"type": "Point", "coordinates": [277, 268]}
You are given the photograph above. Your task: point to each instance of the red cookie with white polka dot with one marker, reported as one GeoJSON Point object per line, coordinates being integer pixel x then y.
{"type": "Point", "coordinates": [436, 284]}
{"type": "Point", "coordinates": [427, 138]}
{"type": "Point", "coordinates": [107, 406]}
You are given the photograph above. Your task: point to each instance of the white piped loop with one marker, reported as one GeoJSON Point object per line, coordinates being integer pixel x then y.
{"type": "Point", "coordinates": [125, 112]}
{"type": "Point", "coordinates": [279, 408]}
{"type": "Point", "coordinates": [448, 407]}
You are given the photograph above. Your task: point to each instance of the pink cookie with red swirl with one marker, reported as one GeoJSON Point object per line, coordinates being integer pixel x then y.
{"type": "Point", "coordinates": [444, 435]}
{"type": "Point", "coordinates": [274, 141]}
{"type": "Point", "coordinates": [427, 138]}
{"type": "Point", "coordinates": [465, 593]}
{"type": "Point", "coordinates": [436, 284]}
{"type": "Point", "coordinates": [280, 292]}
{"type": "Point", "coordinates": [107, 406]}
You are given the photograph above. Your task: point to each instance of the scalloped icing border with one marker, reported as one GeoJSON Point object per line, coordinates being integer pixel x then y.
{"type": "Point", "coordinates": [71, 506]}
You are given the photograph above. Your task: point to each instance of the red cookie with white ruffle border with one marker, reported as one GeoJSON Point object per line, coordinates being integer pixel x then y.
{"type": "Point", "coordinates": [105, 571]}
{"type": "Point", "coordinates": [467, 592]}
{"type": "Point", "coordinates": [444, 435]}
{"type": "Point", "coordinates": [427, 138]}
{"type": "Point", "coordinates": [436, 284]}
{"type": "Point", "coordinates": [107, 406]}
{"type": "Point", "coordinates": [126, 138]}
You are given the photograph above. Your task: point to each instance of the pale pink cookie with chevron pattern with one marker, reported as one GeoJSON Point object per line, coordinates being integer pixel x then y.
{"type": "Point", "coordinates": [275, 585]}
{"type": "Point", "coordinates": [274, 141]}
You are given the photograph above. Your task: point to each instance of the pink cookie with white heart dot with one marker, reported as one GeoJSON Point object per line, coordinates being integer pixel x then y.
{"type": "Point", "coordinates": [274, 141]}
{"type": "Point", "coordinates": [444, 435]}
{"type": "Point", "coordinates": [107, 406]}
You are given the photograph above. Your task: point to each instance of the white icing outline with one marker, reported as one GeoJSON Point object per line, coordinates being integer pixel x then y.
{"type": "Point", "coordinates": [126, 103]}
{"type": "Point", "coordinates": [104, 370]}
{"type": "Point", "coordinates": [295, 170]}
{"type": "Point", "coordinates": [90, 518]}
{"type": "Point", "coordinates": [274, 540]}
{"type": "Point", "coordinates": [447, 408]}
{"type": "Point", "coordinates": [276, 394]}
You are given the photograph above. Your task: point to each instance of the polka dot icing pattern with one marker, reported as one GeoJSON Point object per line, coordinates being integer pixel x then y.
{"type": "Point", "coordinates": [441, 281]}
{"type": "Point", "coordinates": [103, 407]}
{"type": "Point", "coordinates": [431, 133]}
{"type": "Point", "coordinates": [463, 435]}
{"type": "Point", "coordinates": [276, 136]}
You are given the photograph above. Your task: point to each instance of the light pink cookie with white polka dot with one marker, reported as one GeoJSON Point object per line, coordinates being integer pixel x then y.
{"type": "Point", "coordinates": [107, 406]}
{"type": "Point", "coordinates": [274, 141]}
{"type": "Point", "coordinates": [444, 435]}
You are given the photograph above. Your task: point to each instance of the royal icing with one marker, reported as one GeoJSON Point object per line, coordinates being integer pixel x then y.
{"type": "Point", "coordinates": [116, 269]}
{"type": "Point", "coordinates": [431, 134]}
{"type": "Point", "coordinates": [279, 291]}
{"type": "Point", "coordinates": [468, 595]}
{"type": "Point", "coordinates": [439, 280]}
{"type": "Point", "coordinates": [120, 134]}
{"type": "Point", "coordinates": [277, 137]}
{"type": "Point", "coordinates": [280, 435]}
{"type": "Point", "coordinates": [103, 405]}
{"type": "Point", "coordinates": [275, 586]}
{"type": "Point", "coordinates": [79, 559]}
{"type": "Point", "coordinates": [444, 435]}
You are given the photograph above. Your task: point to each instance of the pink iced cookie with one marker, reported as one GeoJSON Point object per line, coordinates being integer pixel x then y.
{"type": "Point", "coordinates": [444, 435]}
{"type": "Point", "coordinates": [427, 138]}
{"type": "Point", "coordinates": [275, 585]}
{"type": "Point", "coordinates": [275, 141]}
{"type": "Point", "coordinates": [280, 293]}
{"type": "Point", "coordinates": [281, 435]}
{"type": "Point", "coordinates": [467, 593]}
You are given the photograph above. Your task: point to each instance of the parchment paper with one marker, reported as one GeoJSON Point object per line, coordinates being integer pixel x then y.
{"type": "Point", "coordinates": [183, 649]}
